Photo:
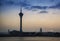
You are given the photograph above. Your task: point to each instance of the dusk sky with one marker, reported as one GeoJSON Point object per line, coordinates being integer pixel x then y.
{"type": "Point", "coordinates": [38, 14]}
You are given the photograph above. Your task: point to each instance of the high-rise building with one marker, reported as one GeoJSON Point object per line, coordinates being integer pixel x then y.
{"type": "Point", "coordinates": [40, 29]}
{"type": "Point", "coordinates": [21, 15]}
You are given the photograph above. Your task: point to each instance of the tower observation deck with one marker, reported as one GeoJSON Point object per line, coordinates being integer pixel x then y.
{"type": "Point", "coordinates": [21, 15]}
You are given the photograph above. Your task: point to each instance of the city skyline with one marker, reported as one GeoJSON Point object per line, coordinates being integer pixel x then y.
{"type": "Point", "coordinates": [45, 14]}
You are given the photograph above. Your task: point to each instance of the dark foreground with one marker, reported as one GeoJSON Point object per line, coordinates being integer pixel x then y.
{"type": "Point", "coordinates": [30, 34]}
{"type": "Point", "coordinates": [29, 38]}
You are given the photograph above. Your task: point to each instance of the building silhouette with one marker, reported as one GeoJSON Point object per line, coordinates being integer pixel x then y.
{"type": "Point", "coordinates": [8, 30]}
{"type": "Point", "coordinates": [40, 29]}
{"type": "Point", "coordinates": [21, 15]}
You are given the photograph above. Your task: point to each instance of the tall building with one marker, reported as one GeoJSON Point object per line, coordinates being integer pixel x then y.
{"type": "Point", "coordinates": [21, 15]}
{"type": "Point", "coordinates": [40, 29]}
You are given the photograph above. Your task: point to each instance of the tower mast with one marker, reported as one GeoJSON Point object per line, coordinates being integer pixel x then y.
{"type": "Point", "coordinates": [21, 15]}
{"type": "Point", "coordinates": [20, 9]}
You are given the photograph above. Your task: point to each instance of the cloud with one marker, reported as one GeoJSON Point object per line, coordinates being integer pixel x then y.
{"type": "Point", "coordinates": [31, 4]}
{"type": "Point", "coordinates": [13, 2]}
{"type": "Point", "coordinates": [24, 4]}
{"type": "Point", "coordinates": [55, 6]}
{"type": "Point", "coordinates": [40, 7]}
{"type": "Point", "coordinates": [5, 2]}
{"type": "Point", "coordinates": [10, 2]}
{"type": "Point", "coordinates": [43, 11]}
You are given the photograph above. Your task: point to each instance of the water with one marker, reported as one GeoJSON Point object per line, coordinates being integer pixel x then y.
{"type": "Point", "coordinates": [29, 38]}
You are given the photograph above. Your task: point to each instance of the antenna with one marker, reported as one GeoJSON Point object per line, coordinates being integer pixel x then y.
{"type": "Point", "coordinates": [21, 9]}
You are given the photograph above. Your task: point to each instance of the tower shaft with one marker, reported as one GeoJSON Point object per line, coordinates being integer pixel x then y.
{"type": "Point", "coordinates": [21, 15]}
{"type": "Point", "coordinates": [20, 23]}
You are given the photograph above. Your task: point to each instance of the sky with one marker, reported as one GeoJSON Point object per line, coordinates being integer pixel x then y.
{"type": "Point", "coordinates": [38, 14]}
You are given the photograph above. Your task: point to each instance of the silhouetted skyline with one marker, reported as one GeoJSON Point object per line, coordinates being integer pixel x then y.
{"type": "Point", "coordinates": [41, 13]}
